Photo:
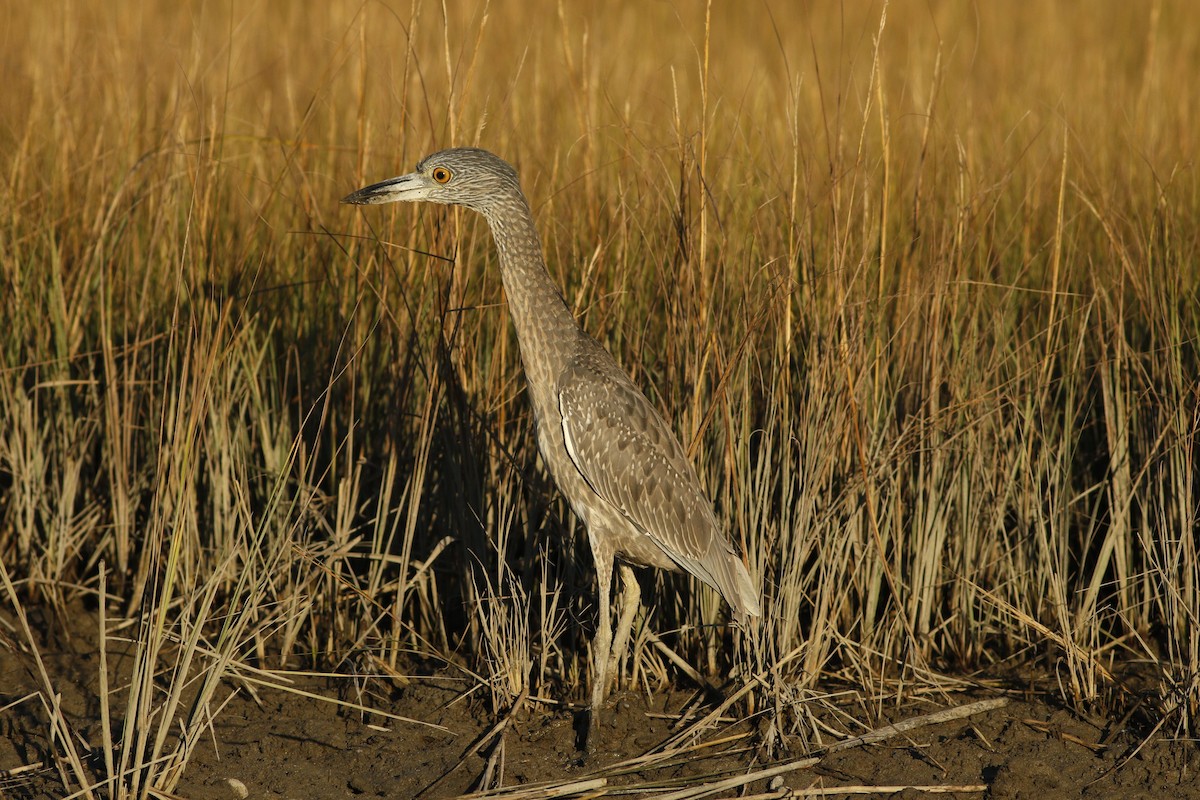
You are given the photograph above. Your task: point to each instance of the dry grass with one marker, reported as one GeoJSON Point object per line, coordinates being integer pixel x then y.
{"type": "Point", "coordinates": [920, 286]}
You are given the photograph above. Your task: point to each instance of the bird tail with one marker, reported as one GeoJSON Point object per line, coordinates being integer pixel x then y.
{"type": "Point", "coordinates": [733, 581]}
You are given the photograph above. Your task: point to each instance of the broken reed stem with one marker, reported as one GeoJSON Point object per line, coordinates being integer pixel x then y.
{"type": "Point", "coordinates": [823, 791]}
{"type": "Point", "coordinates": [597, 786]}
{"type": "Point", "coordinates": [895, 729]}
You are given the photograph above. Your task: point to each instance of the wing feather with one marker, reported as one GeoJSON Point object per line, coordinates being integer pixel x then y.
{"type": "Point", "coordinates": [632, 460]}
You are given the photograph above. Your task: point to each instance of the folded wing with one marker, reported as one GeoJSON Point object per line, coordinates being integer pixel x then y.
{"type": "Point", "coordinates": [632, 460]}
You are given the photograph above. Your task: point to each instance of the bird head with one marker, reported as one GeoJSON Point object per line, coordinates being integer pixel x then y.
{"type": "Point", "coordinates": [461, 176]}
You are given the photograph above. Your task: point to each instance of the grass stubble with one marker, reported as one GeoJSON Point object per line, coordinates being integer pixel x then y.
{"type": "Point", "coordinates": [917, 283]}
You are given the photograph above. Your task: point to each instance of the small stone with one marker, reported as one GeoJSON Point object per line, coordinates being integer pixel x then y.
{"type": "Point", "coordinates": [238, 788]}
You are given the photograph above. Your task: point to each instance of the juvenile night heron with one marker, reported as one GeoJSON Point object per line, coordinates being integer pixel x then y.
{"type": "Point", "coordinates": [612, 455]}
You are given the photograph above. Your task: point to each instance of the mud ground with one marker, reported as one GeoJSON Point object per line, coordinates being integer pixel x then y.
{"type": "Point", "coordinates": [283, 746]}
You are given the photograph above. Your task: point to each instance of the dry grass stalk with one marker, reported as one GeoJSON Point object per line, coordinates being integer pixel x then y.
{"type": "Point", "coordinates": [938, 372]}
{"type": "Point", "coordinates": [667, 756]}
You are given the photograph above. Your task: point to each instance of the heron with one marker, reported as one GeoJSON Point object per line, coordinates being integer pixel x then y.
{"type": "Point", "coordinates": [612, 455]}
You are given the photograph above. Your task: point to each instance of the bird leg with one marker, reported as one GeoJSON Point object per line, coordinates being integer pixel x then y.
{"type": "Point", "coordinates": [601, 644]}
{"type": "Point", "coordinates": [607, 650]}
{"type": "Point", "coordinates": [631, 599]}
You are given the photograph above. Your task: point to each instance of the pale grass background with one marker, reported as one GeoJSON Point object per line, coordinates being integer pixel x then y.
{"type": "Point", "coordinates": [921, 289]}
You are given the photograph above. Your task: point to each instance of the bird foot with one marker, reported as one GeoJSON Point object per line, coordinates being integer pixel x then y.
{"type": "Point", "coordinates": [587, 735]}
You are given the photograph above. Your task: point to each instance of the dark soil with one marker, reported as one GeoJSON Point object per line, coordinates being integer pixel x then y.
{"type": "Point", "coordinates": [289, 746]}
{"type": "Point", "coordinates": [292, 748]}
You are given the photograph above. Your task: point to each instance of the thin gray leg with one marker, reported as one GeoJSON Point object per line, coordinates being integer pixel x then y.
{"type": "Point", "coordinates": [602, 644]}
{"type": "Point", "coordinates": [631, 599]}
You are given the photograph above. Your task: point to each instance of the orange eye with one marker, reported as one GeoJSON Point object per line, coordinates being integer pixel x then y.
{"type": "Point", "coordinates": [441, 174]}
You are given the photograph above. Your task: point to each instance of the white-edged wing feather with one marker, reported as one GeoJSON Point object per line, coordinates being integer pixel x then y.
{"type": "Point", "coordinates": [632, 460]}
